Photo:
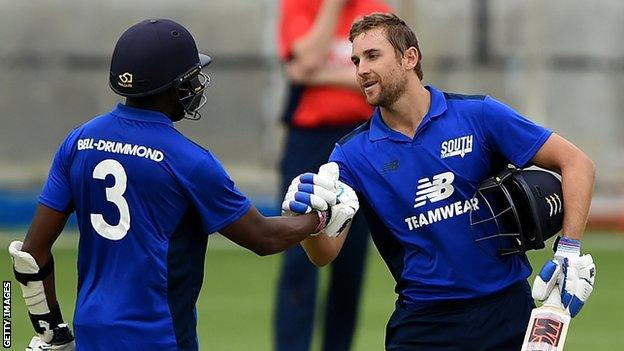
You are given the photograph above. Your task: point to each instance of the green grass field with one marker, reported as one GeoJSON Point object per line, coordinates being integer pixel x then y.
{"type": "Point", "coordinates": [235, 306]}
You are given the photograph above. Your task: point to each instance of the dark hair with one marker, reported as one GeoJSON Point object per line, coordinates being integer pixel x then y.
{"type": "Point", "coordinates": [398, 33]}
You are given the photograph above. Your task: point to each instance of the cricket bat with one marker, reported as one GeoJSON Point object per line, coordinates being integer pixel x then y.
{"type": "Point", "coordinates": [548, 325]}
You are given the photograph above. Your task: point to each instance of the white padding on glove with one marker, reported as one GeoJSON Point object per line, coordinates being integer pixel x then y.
{"type": "Point", "coordinates": [577, 282]}
{"type": "Point", "coordinates": [36, 344]}
{"type": "Point", "coordinates": [314, 196]}
{"type": "Point", "coordinates": [309, 192]}
{"type": "Point", "coordinates": [546, 280]}
{"type": "Point", "coordinates": [33, 292]}
{"type": "Point", "coordinates": [347, 203]}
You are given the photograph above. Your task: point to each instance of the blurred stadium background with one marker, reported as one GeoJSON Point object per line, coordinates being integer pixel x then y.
{"type": "Point", "coordinates": [559, 62]}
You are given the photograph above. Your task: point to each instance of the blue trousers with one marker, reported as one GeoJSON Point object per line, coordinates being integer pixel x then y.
{"type": "Point", "coordinates": [491, 323]}
{"type": "Point", "coordinates": [305, 151]}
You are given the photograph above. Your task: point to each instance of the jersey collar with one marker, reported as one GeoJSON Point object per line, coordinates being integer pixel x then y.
{"type": "Point", "coordinates": [380, 130]}
{"type": "Point", "coordinates": [139, 114]}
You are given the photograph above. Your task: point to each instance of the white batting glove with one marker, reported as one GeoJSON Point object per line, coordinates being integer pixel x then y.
{"type": "Point", "coordinates": [343, 211]}
{"type": "Point", "coordinates": [308, 192]}
{"type": "Point", "coordinates": [47, 322]}
{"type": "Point", "coordinates": [552, 270]}
{"type": "Point", "coordinates": [335, 201]}
{"type": "Point", "coordinates": [546, 280]}
{"type": "Point", "coordinates": [574, 274]}
{"type": "Point", "coordinates": [577, 282]}
{"type": "Point", "coordinates": [36, 344]}
{"type": "Point", "coordinates": [346, 205]}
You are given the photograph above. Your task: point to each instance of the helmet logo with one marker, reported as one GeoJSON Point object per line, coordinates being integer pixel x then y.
{"type": "Point", "coordinates": [125, 80]}
{"type": "Point", "coordinates": [554, 203]}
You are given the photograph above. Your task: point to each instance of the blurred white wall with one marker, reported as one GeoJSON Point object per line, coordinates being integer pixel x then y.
{"type": "Point", "coordinates": [54, 58]}
{"type": "Point", "coordinates": [559, 62]}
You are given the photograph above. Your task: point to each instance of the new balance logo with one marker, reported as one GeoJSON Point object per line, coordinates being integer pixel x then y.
{"type": "Point", "coordinates": [456, 147]}
{"type": "Point", "coordinates": [391, 166]}
{"type": "Point", "coordinates": [438, 189]}
{"type": "Point", "coordinates": [555, 204]}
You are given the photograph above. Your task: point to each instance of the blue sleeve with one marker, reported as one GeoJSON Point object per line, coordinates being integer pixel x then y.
{"type": "Point", "coordinates": [510, 134]}
{"type": "Point", "coordinates": [57, 193]}
{"type": "Point", "coordinates": [214, 195]}
{"type": "Point", "coordinates": [346, 176]}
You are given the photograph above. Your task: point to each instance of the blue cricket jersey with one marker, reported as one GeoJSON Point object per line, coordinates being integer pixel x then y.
{"type": "Point", "coordinates": [417, 193]}
{"type": "Point", "coordinates": [146, 198]}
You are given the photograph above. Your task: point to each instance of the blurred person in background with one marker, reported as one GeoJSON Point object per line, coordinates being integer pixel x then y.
{"type": "Point", "coordinates": [324, 103]}
{"type": "Point", "coordinates": [417, 195]}
{"type": "Point", "coordinates": [146, 199]}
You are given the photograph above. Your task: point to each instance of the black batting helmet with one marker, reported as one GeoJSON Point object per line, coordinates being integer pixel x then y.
{"type": "Point", "coordinates": [154, 55]}
{"type": "Point", "coordinates": [519, 209]}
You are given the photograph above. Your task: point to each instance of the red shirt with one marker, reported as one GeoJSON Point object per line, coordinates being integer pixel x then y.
{"type": "Point", "coordinates": [326, 105]}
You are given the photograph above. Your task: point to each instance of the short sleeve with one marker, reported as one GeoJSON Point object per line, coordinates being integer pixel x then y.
{"type": "Point", "coordinates": [294, 22]}
{"type": "Point", "coordinates": [510, 134]}
{"type": "Point", "coordinates": [57, 193]}
{"type": "Point", "coordinates": [346, 176]}
{"type": "Point", "coordinates": [215, 195]}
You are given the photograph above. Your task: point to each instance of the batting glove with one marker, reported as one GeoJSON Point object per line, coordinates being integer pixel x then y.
{"type": "Point", "coordinates": [577, 282]}
{"type": "Point", "coordinates": [341, 213]}
{"type": "Point", "coordinates": [47, 321]}
{"type": "Point", "coordinates": [62, 340]}
{"type": "Point", "coordinates": [308, 192]}
{"type": "Point", "coordinates": [335, 201]}
{"type": "Point", "coordinates": [574, 274]}
{"type": "Point", "coordinates": [546, 280]}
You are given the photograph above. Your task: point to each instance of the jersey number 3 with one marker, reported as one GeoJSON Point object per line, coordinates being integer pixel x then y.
{"type": "Point", "coordinates": [114, 195]}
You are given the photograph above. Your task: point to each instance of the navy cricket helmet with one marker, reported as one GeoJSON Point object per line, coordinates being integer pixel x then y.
{"type": "Point", "coordinates": [518, 210]}
{"type": "Point", "coordinates": [156, 54]}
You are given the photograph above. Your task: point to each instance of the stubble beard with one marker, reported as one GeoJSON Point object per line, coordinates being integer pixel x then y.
{"type": "Point", "coordinates": [389, 94]}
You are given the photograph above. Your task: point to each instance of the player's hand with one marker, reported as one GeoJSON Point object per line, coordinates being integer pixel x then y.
{"type": "Point", "coordinates": [577, 282]}
{"type": "Point", "coordinates": [36, 344]}
{"type": "Point", "coordinates": [308, 192]}
{"type": "Point", "coordinates": [322, 192]}
{"type": "Point", "coordinates": [62, 340]}
{"type": "Point", "coordinates": [342, 212]}
{"type": "Point", "coordinates": [546, 280]}
{"type": "Point", "coordinates": [346, 204]}
{"type": "Point", "coordinates": [573, 273]}
{"type": "Point", "coordinates": [551, 272]}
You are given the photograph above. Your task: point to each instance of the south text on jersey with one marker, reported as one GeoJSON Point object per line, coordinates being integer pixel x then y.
{"type": "Point", "coordinates": [456, 147]}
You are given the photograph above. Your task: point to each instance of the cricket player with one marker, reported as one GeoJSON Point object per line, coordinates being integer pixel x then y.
{"type": "Point", "coordinates": [324, 104]}
{"type": "Point", "coordinates": [146, 198]}
{"type": "Point", "coordinates": [415, 167]}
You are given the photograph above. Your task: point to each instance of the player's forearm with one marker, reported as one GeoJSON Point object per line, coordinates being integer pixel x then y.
{"type": "Point", "coordinates": [43, 257]}
{"type": "Point", "coordinates": [283, 232]}
{"type": "Point", "coordinates": [49, 286]}
{"type": "Point", "coordinates": [325, 75]}
{"type": "Point", "coordinates": [312, 49]}
{"type": "Point", "coordinates": [46, 226]}
{"type": "Point", "coordinates": [577, 178]}
{"type": "Point", "coordinates": [322, 249]}
{"type": "Point", "coordinates": [578, 184]}
{"type": "Point", "coordinates": [335, 76]}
